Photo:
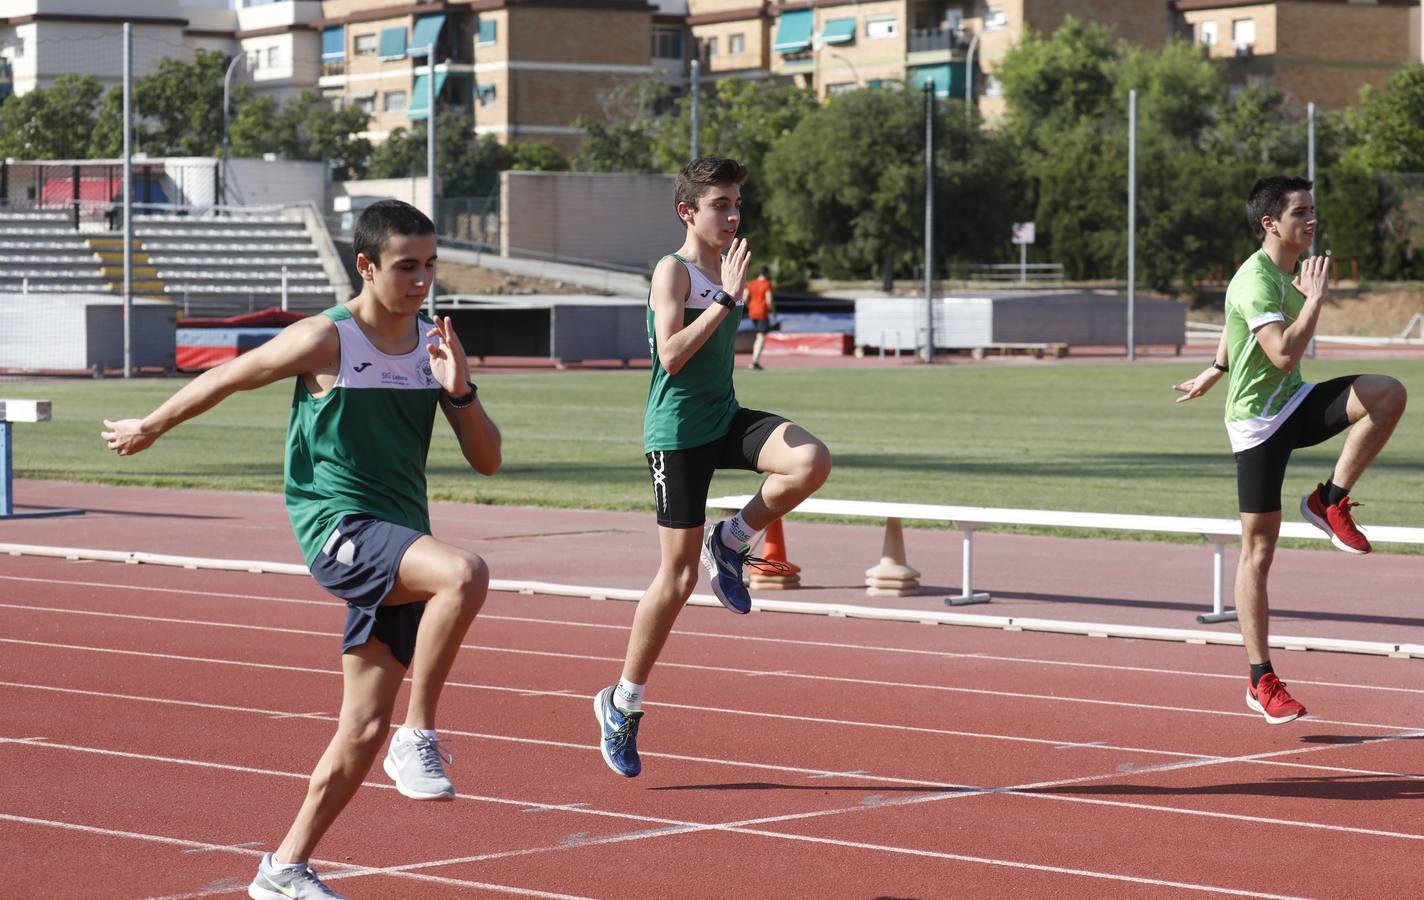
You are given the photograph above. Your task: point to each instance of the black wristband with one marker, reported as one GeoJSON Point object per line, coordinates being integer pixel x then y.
{"type": "Point", "coordinates": [1219, 367]}
{"type": "Point", "coordinates": [722, 298]}
{"type": "Point", "coordinates": [465, 401]}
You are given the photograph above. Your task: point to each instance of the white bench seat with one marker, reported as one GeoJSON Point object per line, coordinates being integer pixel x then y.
{"type": "Point", "coordinates": [218, 275]}
{"type": "Point", "coordinates": [228, 233]}
{"type": "Point", "coordinates": [971, 518]}
{"type": "Point", "coordinates": [292, 262]}
{"type": "Point", "coordinates": [237, 289]}
{"type": "Point", "coordinates": [298, 242]}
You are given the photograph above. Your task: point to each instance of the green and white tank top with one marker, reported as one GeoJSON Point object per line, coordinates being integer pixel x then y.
{"type": "Point", "coordinates": [695, 406]}
{"type": "Point", "coordinates": [1259, 396]}
{"type": "Point", "coordinates": [360, 448]}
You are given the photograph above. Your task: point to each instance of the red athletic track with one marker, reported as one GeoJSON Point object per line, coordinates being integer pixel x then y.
{"type": "Point", "coordinates": [161, 723]}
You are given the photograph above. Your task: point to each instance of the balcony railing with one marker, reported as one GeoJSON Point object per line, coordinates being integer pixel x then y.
{"type": "Point", "coordinates": [929, 39]}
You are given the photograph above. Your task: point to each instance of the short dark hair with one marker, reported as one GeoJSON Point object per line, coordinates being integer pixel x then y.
{"type": "Point", "coordinates": [709, 171]}
{"type": "Point", "coordinates": [1268, 198]}
{"type": "Point", "coordinates": [382, 219]}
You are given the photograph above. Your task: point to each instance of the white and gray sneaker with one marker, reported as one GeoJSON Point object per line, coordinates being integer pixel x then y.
{"type": "Point", "coordinates": [274, 882]}
{"type": "Point", "coordinates": [415, 764]}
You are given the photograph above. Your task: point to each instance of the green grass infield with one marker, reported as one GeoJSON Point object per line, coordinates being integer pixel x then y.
{"type": "Point", "coordinates": [1101, 438]}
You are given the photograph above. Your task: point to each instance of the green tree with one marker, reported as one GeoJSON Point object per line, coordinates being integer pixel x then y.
{"type": "Point", "coordinates": [467, 166]}
{"type": "Point", "coordinates": [1198, 152]}
{"type": "Point", "coordinates": [180, 106]}
{"type": "Point", "coordinates": [531, 156]}
{"type": "Point", "coordinates": [615, 148]}
{"type": "Point", "coordinates": [51, 123]}
{"type": "Point", "coordinates": [739, 118]}
{"type": "Point", "coordinates": [847, 185]}
{"type": "Point", "coordinates": [1388, 125]}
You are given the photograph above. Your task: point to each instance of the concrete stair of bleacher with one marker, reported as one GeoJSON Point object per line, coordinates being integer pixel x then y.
{"type": "Point", "coordinates": [212, 265]}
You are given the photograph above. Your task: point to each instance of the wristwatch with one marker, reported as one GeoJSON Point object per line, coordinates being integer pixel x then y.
{"type": "Point", "coordinates": [725, 299]}
{"type": "Point", "coordinates": [465, 401]}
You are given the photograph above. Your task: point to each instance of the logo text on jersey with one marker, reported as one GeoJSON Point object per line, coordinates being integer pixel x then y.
{"type": "Point", "coordinates": [363, 367]}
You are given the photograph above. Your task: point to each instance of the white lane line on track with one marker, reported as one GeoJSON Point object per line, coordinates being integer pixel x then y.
{"type": "Point", "coordinates": [1055, 743]}
{"type": "Point", "coordinates": [742, 827]}
{"type": "Point", "coordinates": [726, 670]}
{"type": "Point", "coordinates": [796, 642]}
{"type": "Point", "coordinates": [745, 828]}
{"type": "Point", "coordinates": [336, 869]}
{"type": "Point", "coordinates": [932, 790]}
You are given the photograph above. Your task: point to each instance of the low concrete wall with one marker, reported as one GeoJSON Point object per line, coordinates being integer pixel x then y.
{"type": "Point", "coordinates": [617, 218]}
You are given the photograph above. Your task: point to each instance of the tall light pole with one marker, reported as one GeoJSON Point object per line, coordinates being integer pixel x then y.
{"type": "Point", "coordinates": [969, 77]}
{"type": "Point", "coordinates": [238, 57]}
{"type": "Point", "coordinates": [1131, 225]}
{"type": "Point", "coordinates": [929, 221]}
{"type": "Point", "coordinates": [430, 151]}
{"type": "Point", "coordinates": [696, 99]}
{"type": "Point", "coordinates": [128, 200]}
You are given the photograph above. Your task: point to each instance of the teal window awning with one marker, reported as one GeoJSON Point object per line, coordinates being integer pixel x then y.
{"type": "Point", "coordinates": [425, 33]}
{"type": "Point", "coordinates": [793, 32]}
{"type": "Point", "coordinates": [948, 79]}
{"type": "Point", "coordinates": [392, 43]}
{"type": "Point", "coordinates": [838, 31]}
{"type": "Point", "coordinates": [488, 32]}
{"type": "Point", "coordinates": [419, 106]}
{"type": "Point", "coordinates": [333, 43]}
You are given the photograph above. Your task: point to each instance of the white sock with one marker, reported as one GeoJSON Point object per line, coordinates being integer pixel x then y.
{"type": "Point", "coordinates": [736, 533]}
{"type": "Point", "coordinates": [406, 733]}
{"type": "Point", "coordinates": [282, 867]}
{"type": "Point", "coordinates": [628, 697]}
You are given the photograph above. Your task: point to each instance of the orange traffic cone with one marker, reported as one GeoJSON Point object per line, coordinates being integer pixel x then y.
{"type": "Point", "coordinates": [787, 575]}
{"type": "Point", "coordinates": [892, 577]}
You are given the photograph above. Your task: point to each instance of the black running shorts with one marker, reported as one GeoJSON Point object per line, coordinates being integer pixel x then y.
{"type": "Point", "coordinates": [359, 564]}
{"type": "Point", "coordinates": [681, 477]}
{"type": "Point", "coordinates": [1261, 471]}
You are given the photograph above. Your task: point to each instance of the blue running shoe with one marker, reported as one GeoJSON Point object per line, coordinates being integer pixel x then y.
{"type": "Point", "coordinates": [724, 568]}
{"type": "Point", "coordinates": [619, 743]}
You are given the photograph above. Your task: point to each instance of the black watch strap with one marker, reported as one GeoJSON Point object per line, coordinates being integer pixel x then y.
{"type": "Point", "coordinates": [724, 299]}
{"type": "Point", "coordinates": [467, 400]}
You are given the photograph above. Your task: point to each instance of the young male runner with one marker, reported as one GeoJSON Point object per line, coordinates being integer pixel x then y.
{"type": "Point", "coordinates": [1271, 410]}
{"type": "Point", "coordinates": [760, 306]}
{"type": "Point", "coordinates": [691, 427]}
{"type": "Point", "coordinates": [368, 377]}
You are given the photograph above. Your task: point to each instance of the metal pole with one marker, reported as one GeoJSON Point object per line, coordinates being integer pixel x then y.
{"type": "Point", "coordinates": [284, 289]}
{"type": "Point", "coordinates": [929, 222]}
{"type": "Point", "coordinates": [128, 200]}
{"type": "Point", "coordinates": [1310, 173]}
{"type": "Point", "coordinates": [1131, 225]}
{"type": "Point", "coordinates": [227, 93]}
{"type": "Point", "coordinates": [1023, 263]}
{"type": "Point", "coordinates": [969, 78]}
{"type": "Point", "coordinates": [696, 112]}
{"type": "Point", "coordinates": [430, 153]}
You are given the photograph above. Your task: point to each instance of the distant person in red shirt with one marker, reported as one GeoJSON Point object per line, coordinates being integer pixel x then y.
{"type": "Point", "coordinates": [759, 309]}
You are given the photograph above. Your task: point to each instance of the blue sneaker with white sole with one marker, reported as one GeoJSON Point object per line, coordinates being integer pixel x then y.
{"type": "Point", "coordinates": [619, 741]}
{"type": "Point", "coordinates": [724, 568]}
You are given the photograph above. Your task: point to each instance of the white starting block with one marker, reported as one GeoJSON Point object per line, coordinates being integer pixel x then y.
{"type": "Point", "coordinates": [20, 411]}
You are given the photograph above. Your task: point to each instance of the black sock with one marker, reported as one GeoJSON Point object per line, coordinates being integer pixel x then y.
{"type": "Point", "coordinates": [1332, 493]}
{"type": "Point", "coordinates": [1259, 669]}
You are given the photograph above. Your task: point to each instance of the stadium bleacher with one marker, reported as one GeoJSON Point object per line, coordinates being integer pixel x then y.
{"type": "Point", "coordinates": [210, 265]}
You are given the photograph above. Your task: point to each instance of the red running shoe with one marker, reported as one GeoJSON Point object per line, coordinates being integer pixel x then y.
{"type": "Point", "coordinates": [1269, 698]}
{"type": "Point", "coordinates": [1335, 521]}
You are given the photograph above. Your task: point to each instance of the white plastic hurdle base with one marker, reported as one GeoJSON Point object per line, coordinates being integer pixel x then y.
{"type": "Point", "coordinates": [20, 411]}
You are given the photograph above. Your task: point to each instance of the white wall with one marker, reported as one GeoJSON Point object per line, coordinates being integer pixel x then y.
{"type": "Point", "coordinates": [610, 218]}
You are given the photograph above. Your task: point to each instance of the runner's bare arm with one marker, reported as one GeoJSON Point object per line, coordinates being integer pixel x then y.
{"type": "Point", "coordinates": [1209, 376]}
{"type": "Point", "coordinates": [677, 343]}
{"type": "Point", "coordinates": [1286, 345]}
{"type": "Point", "coordinates": [478, 436]}
{"type": "Point", "coordinates": [305, 346]}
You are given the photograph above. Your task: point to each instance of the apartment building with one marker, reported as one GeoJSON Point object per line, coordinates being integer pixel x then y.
{"type": "Point", "coordinates": [41, 40]}
{"type": "Point", "coordinates": [1323, 51]}
{"type": "Point", "coordinates": [834, 46]}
